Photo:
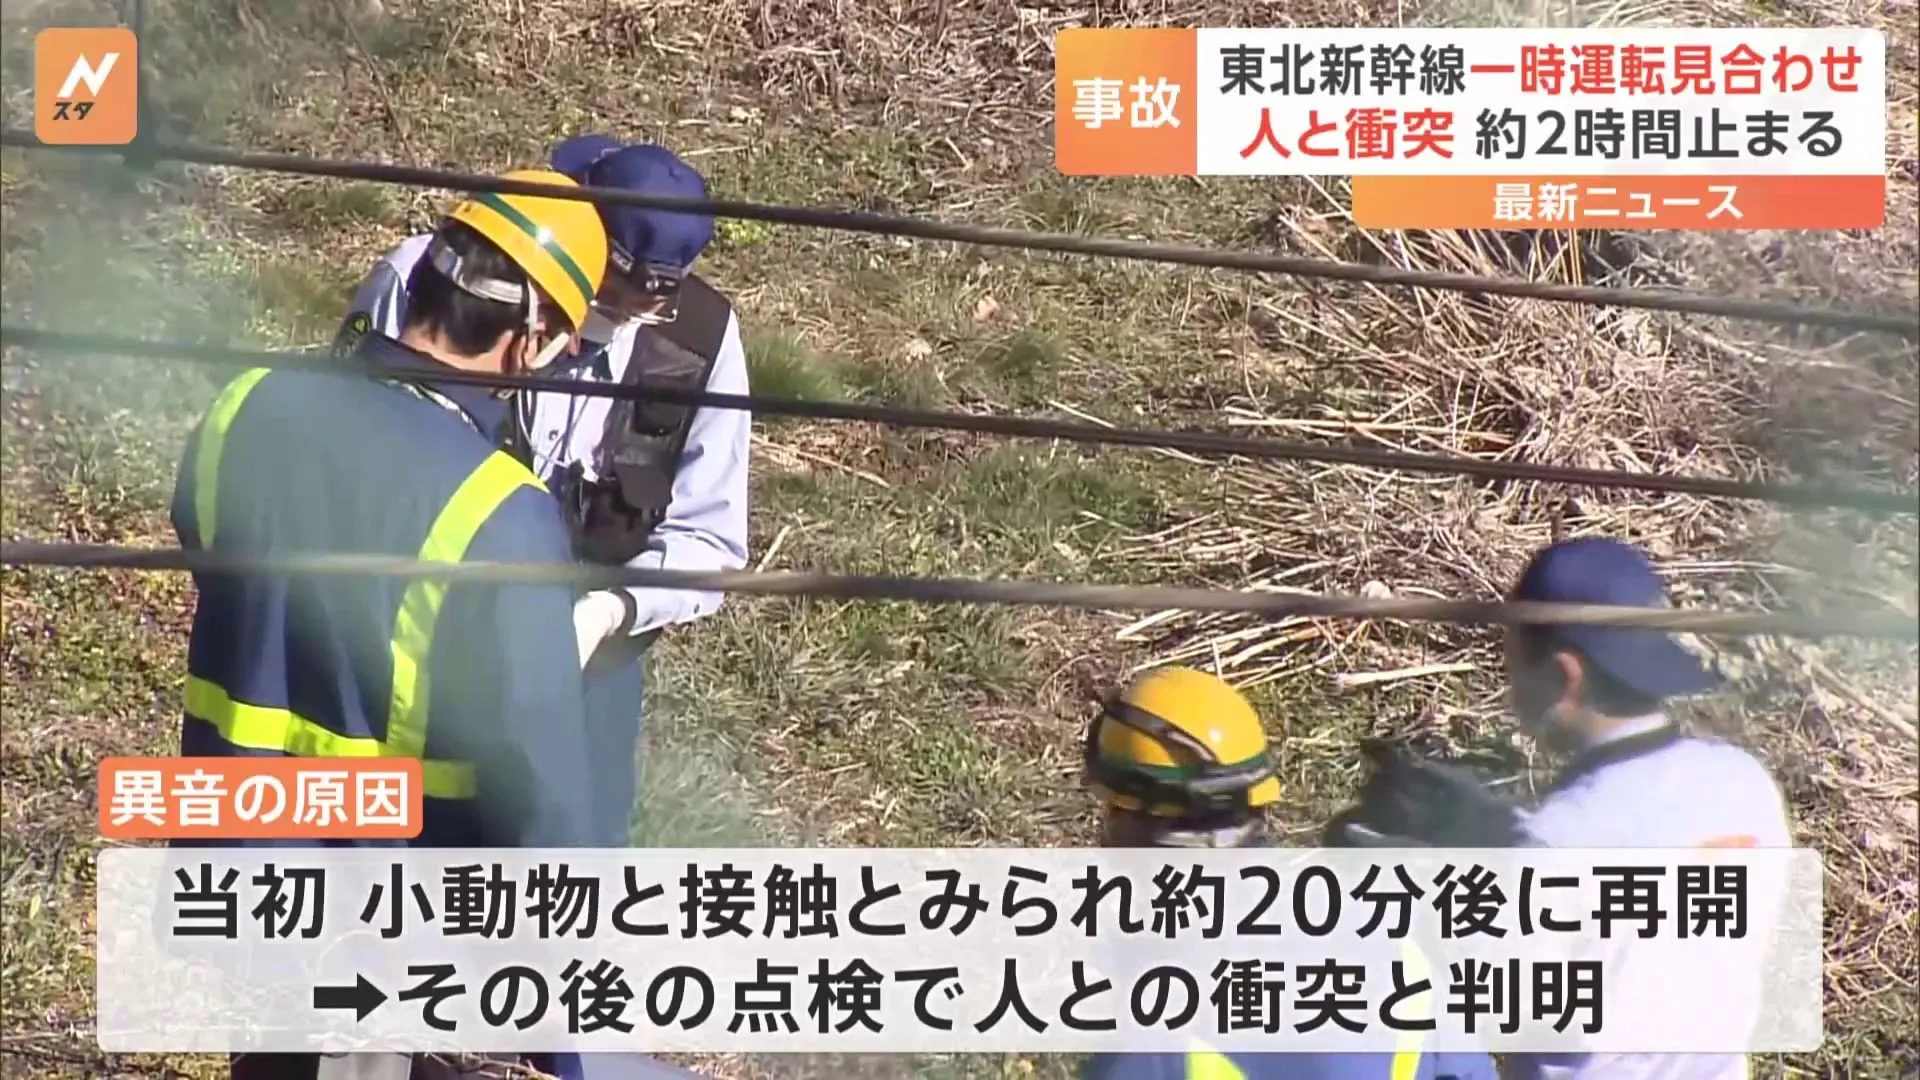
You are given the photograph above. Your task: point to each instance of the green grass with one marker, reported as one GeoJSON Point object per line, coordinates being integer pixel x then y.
{"type": "Point", "coordinates": [781, 365]}
{"type": "Point", "coordinates": [777, 721]}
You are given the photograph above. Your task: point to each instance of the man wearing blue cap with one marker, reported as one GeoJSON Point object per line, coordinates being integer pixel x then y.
{"type": "Point", "coordinates": [640, 483]}
{"type": "Point", "coordinates": [1599, 695]}
{"type": "Point", "coordinates": [1632, 779]}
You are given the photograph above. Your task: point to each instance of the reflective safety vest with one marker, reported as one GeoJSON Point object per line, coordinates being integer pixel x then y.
{"type": "Point", "coordinates": [256, 727]}
{"type": "Point", "coordinates": [1204, 1063]}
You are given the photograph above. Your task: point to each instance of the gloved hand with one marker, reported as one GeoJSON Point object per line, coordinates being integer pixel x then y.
{"type": "Point", "coordinates": [1430, 803]}
{"type": "Point", "coordinates": [596, 617]}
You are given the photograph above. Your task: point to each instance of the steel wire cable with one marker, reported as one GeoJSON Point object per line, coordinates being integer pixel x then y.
{"type": "Point", "coordinates": [1889, 625]}
{"type": "Point", "coordinates": [1214, 444]}
{"type": "Point", "coordinates": [1904, 325]}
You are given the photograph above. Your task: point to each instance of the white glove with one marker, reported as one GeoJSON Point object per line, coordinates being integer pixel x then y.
{"type": "Point", "coordinates": [596, 616]}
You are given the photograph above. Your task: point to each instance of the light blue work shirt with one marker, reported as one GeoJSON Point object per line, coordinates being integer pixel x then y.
{"type": "Point", "coordinates": [1687, 793]}
{"type": "Point", "coordinates": [705, 528]}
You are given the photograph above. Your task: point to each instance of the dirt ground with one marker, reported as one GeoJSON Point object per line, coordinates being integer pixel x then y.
{"type": "Point", "coordinates": [797, 721]}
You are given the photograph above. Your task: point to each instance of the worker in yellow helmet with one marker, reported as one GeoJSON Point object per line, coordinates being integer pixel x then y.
{"type": "Point", "coordinates": [1180, 759]}
{"type": "Point", "coordinates": [479, 682]}
{"type": "Point", "coordinates": [647, 484]}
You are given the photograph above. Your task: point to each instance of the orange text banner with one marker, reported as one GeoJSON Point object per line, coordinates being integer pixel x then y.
{"type": "Point", "coordinates": [1620, 202]}
{"type": "Point", "coordinates": [1124, 102]}
{"type": "Point", "coordinates": [86, 85]}
{"type": "Point", "coordinates": [260, 798]}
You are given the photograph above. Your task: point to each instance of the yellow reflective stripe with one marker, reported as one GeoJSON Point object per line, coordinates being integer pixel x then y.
{"type": "Point", "coordinates": [255, 727]}
{"type": "Point", "coordinates": [1205, 1064]}
{"type": "Point", "coordinates": [1406, 1060]}
{"type": "Point", "coordinates": [453, 531]}
{"type": "Point", "coordinates": [213, 443]}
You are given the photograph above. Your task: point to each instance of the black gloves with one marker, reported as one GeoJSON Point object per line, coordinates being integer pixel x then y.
{"type": "Point", "coordinates": [1412, 802]}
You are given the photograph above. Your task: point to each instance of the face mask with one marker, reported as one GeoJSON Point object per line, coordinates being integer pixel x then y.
{"type": "Point", "coordinates": [598, 327]}
{"type": "Point", "coordinates": [552, 350]}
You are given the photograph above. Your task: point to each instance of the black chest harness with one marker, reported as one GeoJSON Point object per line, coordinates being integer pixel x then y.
{"type": "Point", "coordinates": [612, 517]}
{"type": "Point", "coordinates": [1607, 754]}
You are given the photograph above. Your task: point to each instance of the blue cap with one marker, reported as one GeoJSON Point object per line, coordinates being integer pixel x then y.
{"type": "Point", "coordinates": [1596, 570]}
{"type": "Point", "coordinates": [642, 238]}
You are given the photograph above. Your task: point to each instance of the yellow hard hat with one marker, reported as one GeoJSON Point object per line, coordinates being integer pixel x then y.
{"type": "Point", "coordinates": [560, 243]}
{"type": "Point", "coordinates": [1180, 743]}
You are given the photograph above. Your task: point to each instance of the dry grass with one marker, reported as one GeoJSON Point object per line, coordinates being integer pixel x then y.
{"type": "Point", "coordinates": [787, 721]}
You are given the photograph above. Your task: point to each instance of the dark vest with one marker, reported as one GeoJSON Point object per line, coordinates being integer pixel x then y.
{"type": "Point", "coordinates": [612, 518]}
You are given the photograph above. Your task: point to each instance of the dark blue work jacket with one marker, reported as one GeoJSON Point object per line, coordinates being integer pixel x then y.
{"type": "Point", "coordinates": [478, 681]}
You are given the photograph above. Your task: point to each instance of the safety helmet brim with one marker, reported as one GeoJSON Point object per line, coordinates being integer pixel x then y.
{"type": "Point", "coordinates": [561, 244]}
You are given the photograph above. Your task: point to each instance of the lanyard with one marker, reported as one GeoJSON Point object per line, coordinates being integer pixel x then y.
{"type": "Point", "coordinates": [581, 369]}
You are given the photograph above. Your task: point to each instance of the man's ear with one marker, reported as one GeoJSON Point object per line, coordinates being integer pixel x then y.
{"type": "Point", "coordinates": [517, 359]}
{"type": "Point", "coordinates": [1573, 679]}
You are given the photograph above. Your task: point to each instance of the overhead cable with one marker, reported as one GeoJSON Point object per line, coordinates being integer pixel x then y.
{"type": "Point", "coordinates": [1905, 325]}
{"type": "Point", "coordinates": [1891, 626]}
{"type": "Point", "coordinates": [1194, 442]}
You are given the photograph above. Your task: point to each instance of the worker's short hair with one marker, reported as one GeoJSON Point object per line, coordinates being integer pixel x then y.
{"type": "Point", "coordinates": [471, 325]}
{"type": "Point", "coordinates": [1604, 694]}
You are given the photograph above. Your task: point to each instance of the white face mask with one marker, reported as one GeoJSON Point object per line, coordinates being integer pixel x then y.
{"type": "Point", "coordinates": [521, 401]}
{"type": "Point", "coordinates": [552, 350]}
{"type": "Point", "coordinates": [598, 328]}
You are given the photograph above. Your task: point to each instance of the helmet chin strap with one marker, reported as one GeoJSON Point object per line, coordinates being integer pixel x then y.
{"type": "Point", "coordinates": [522, 399]}
{"type": "Point", "coordinates": [522, 294]}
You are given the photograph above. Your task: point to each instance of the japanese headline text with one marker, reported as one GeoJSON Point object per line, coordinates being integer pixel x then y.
{"type": "Point", "coordinates": [1794, 119]}
{"type": "Point", "coordinates": [301, 950]}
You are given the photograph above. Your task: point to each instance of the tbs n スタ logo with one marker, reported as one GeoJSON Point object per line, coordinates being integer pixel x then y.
{"type": "Point", "coordinates": [86, 85]}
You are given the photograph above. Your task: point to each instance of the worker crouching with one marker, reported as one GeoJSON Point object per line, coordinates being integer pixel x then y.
{"type": "Point", "coordinates": [1180, 759]}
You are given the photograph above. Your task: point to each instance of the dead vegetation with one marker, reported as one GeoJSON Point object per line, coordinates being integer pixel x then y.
{"type": "Point", "coordinates": [797, 721]}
